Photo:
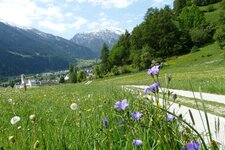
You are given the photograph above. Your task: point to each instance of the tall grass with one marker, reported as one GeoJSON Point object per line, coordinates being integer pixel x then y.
{"type": "Point", "coordinates": [57, 126]}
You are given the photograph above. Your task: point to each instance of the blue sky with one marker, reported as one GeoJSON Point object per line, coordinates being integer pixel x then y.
{"type": "Point", "coordinates": [68, 17]}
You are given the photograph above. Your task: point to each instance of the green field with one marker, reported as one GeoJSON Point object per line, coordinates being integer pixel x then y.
{"type": "Point", "coordinates": [57, 126]}
{"type": "Point", "coordinates": [204, 69]}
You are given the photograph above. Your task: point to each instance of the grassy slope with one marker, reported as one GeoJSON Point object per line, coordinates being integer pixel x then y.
{"type": "Point", "coordinates": [213, 16]}
{"type": "Point", "coordinates": [204, 68]}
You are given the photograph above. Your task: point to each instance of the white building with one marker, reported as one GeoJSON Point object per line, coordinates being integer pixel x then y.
{"type": "Point", "coordinates": [28, 82]}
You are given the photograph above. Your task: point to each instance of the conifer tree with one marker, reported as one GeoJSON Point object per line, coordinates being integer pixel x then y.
{"type": "Point", "coordinates": [105, 59]}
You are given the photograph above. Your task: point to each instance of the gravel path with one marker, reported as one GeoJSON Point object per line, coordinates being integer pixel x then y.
{"type": "Point", "coordinates": [218, 134]}
{"type": "Point", "coordinates": [190, 94]}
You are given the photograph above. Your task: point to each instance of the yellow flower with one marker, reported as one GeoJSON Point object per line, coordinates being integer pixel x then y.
{"type": "Point", "coordinates": [88, 110]}
{"type": "Point", "coordinates": [158, 105]}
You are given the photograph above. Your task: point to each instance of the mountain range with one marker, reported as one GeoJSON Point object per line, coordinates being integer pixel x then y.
{"type": "Point", "coordinates": [95, 39]}
{"type": "Point", "coordinates": [28, 50]}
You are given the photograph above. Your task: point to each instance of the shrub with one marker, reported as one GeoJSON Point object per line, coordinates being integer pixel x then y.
{"type": "Point", "coordinates": [81, 76]}
{"type": "Point", "coordinates": [125, 69]}
{"type": "Point", "coordinates": [115, 70]}
{"type": "Point", "coordinates": [61, 80]}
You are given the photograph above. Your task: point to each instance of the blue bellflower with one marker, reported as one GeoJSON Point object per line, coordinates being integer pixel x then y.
{"type": "Point", "coordinates": [121, 105]}
{"type": "Point", "coordinates": [137, 115]}
{"type": "Point", "coordinates": [153, 88]}
{"type": "Point", "coordinates": [170, 117]}
{"type": "Point", "coordinates": [137, 142]}
{"type": "Point", "coordinates": [105, 122]}
{"type": "Point", "coordinates": [154, 70]}
{"type": "Point", "coordinates": [192, 146]}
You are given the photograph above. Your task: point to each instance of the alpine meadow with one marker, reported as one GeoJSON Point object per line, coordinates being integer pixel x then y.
{"type": "Point", "coordinates": [159, 85]}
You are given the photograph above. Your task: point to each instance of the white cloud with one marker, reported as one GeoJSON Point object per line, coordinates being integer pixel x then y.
{"type": "Point", "coordinates": [61, 27]}
{"type": "Point", "coordinates": [47, 1]}
{"type": "Point", "coordinates": [27, 13]}
{"type": "Point", "coordinates": [102, 23]}
{"type": "Point", "coordinates": [18, 12]}
{"type": "Point", "coordinates": [102, 14]}
{"type": "Point", "coordinates": [109, 3]}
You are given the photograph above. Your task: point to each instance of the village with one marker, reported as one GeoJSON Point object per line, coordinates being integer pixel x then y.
{"type": "Point", "coordinates": [42, 79]}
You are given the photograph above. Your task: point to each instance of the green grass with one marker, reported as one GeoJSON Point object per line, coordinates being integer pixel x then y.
{"type": "Point", "coordinates": [204, 69]}
{"type": "Point", "coordinates": [213, 16]}
{"type": "Point", "coordinates": [86, 63]}
{"type": "Point", "coordinates": [59, 127]}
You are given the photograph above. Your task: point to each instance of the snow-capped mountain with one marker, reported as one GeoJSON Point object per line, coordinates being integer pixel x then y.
{"type": "Point", "coordinates": [95, 39]}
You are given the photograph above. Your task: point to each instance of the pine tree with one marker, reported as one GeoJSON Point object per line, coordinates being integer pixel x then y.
{"type": "Point", "coordinates": [105, 59]}
{"type": "Point", "coordinates": [72, 76]}
{"type": "Point", "coordinates": [75, 75]}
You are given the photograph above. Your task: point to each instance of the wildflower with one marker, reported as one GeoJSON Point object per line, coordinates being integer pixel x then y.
{"type": "Point", "coordinates": [137, 115]}
{"type": "Point", "coordinates": [10, 100]}
{"type": "Point", "coordinates": [121, 105]}
{"type": "Point", "coordinates": [73, 106]}
{"type": "Point", "coordinates": [137, 142]}
{"type": "Point", "coordinates": [89, 96]}
{"type": "Point", "coordinates": [170, 117]}
{"type": "Point", "coordinates": [154, 87]}
{"type": "Point", "coordinates": [12, 139]}
{"type": "Point", "coordinates": [192, 146]}
{"type": "Point", "coordinates": [15, 119]}
{"type": "Point", "coordinates": [154, 70]}
{"type": "Point", "coordinates": [33, 118]}
{"type": "Point", "coordinates": [105, 122]}
{"type": "Point", "coordinates": [158, 104]}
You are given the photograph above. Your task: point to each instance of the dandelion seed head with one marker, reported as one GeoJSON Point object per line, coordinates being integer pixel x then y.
{"type": "Point", "coordinates": [73, 106]}
{"type": "Point", "coordinates": [15, 119]}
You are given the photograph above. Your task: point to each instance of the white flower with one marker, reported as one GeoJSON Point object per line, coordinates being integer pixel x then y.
{"type": "Point", "coordinates": [73, 106]}
{"type": "Point", "coordinates": [33, 118]}
{"type": "Point", "coordinates": [11, 139]}
{"type": "Point", "coordinates": [15, 119]}
{"type": "Point", "coordinates": [89, 96]}
{"type": "Point", "coordinates": [10, 100]}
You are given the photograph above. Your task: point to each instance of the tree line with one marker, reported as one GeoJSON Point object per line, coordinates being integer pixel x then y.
{"type": "Point", "coordinates": [164, 33]}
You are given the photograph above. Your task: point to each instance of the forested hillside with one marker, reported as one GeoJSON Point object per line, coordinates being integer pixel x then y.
{"type": "Point", "coordinates": [167, 32]}
{"type": "Point", "coordinates": [33, 51]}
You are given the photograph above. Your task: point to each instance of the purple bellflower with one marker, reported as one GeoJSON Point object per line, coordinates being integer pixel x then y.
{"type": "Point", "coordinates": [105, 122]}
{"type": "Point", "coordinates": [154, 70]}
{"type": "Point", "coordinates": [137, 142]}
{"type": "Point", "coordinates": [121, 105]}
{"type": "Point", "coordinates": [170, 117]}
{"type": "Point", "coordinates": [154, 87]}
{"type": "Point", "coordinates": [137, 115]}
{"type": "Point", "coordinates": [192, 146]}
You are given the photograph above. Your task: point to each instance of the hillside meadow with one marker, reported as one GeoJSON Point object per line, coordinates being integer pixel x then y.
{"type": "Point", "coordinates": [97, 116]}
